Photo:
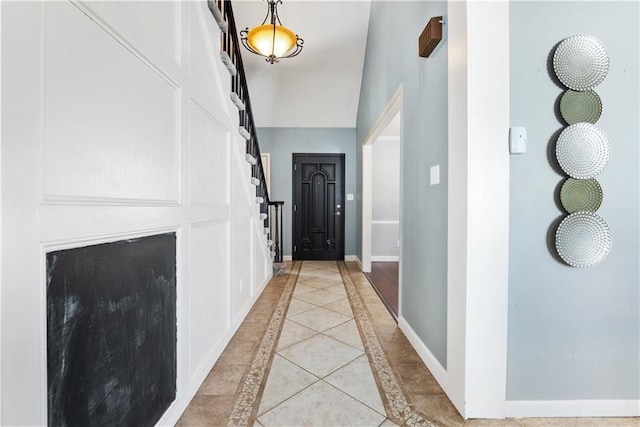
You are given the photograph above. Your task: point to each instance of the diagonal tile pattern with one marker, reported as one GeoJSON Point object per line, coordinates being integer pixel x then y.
{"type": "Point", "coordinates": [285, 367]}
{"type": "Point", "coordinates": [323, 342]}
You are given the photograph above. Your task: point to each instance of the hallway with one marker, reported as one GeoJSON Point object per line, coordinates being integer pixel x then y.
{"type": "Point", "coordinates": [319, 348]}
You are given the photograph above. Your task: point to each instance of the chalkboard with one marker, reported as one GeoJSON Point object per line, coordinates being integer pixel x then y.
{"type": "Point", "coordinates": [111, 332]}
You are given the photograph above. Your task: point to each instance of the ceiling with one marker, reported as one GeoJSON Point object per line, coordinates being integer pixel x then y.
{"type": "Point", "coordinates": [321, 86]}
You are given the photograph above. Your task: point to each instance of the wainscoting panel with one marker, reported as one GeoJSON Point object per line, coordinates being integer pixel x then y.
{"type": "Point", "coordinates": [204, 59]}
{"type": "Point", "coordinates": [160, 20]}
{"type": "Point", "coordinates": [151, 30]}
{"type": "Point", "coordinates": [209, 305]}
{"type": "Point", "coordinates": [209, 159]}
{"type": "Point", "coordinates": [111, 121]}
{"type": "Point", "coordinates": [109, 138]}
{"type": "Point", "coordinates": [262, 264]}
{"type": "Point", "coordinates": [242, 266]}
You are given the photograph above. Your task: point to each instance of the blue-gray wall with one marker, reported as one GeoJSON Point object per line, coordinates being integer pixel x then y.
{"type": "Point", "coordinates": [573, 333]}
{"type": "Point", "coordinates": [281, 143]}
{"type": "Point", "coordinates": [392, 59]}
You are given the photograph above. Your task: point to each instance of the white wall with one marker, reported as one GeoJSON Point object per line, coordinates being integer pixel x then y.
{"type": "Point", "coordinates": [385, 209]}
{"type": "Point", "coordinates": [119, 126]}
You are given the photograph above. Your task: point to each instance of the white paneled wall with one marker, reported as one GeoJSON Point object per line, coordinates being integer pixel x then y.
{"type": "Point", "coordinates": [116, 123]}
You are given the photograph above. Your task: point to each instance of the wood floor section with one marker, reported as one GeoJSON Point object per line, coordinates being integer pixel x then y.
{"type": "Point", "coordinates": [384, 279]}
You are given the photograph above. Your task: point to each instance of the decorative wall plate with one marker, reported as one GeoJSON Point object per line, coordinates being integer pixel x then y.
{"type": "Point", "coordinates": [581, 195]}
{"type": "Point", "coordinates": [583, 239]}
{"type": "Point", "coordinates": [583, 150]}
{"type": "Point", "coordinates": [581, 62]}
{"type": "Point", "coordinates": [578, 107]}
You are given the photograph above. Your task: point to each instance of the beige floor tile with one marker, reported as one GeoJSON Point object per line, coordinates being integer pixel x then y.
{"type": "Point", "coordinates": [320, 355]}
{"type": "Point", "coordinates": [327, 271]}
{"type": "Point", "coordinates": [356, 380]}
{"type": "Point", "coordinates": [250, 332]}
{"type": "Point", "coordinates": [327, 274]}
{"type": "Point", "coordinates": [293, 333]}
{"type": "Point", "coordinates": [319, 297]}
{"type": "Point", "coordinates": [302, 278]}
{"type": "Point", "coordinates": [417, 379]}
{"type": "Point", "coordinates": [319, 264]}
{"type": "Point", "coordinates": [390, 333]}
{"type": "Point", "coordinates": [346, 333]}
{"type": "Point", "coordinates": [402, 353]}
{"type": "Point", "coordinates": [343, 306]}
{"type": "Point", "coordinates": [509, 422]}
{"type": "Point", "coordinates": [321, 405]}
{"type": "Point", "coordinates": [240, 353]}
{"type": "Point", "coordinates": [207, 411]}
{"type": "Point", "coordinates": [579, 422]}
{"type": "Point", "coordinates": [320, 283]}
{"type": "Point", "coordinates": [438, 407]}
{"type": "Point", "coordinates": [285, 380]}
{"type": "Point", "coordinates": [223, 380]}
{"type": "Point", "coordinates": [319, 319]}
{"type": "Point", "coordinates": [298, 306]}
{"type": "Point", "coordinates": [302, 289]}
{"type": "Point", "coordinates": [338, 290]}
{"type": "Point", "coordinates": [618, 422]}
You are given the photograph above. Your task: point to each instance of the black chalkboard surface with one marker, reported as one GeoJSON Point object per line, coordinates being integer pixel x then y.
{"type": "Point", "coordinates": [111, 332]}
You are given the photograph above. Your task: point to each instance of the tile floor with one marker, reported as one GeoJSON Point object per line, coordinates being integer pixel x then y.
{"type": "Point", "coordinates": [317, 372]}
{"type": "Point", "coordinates": [320, 373]}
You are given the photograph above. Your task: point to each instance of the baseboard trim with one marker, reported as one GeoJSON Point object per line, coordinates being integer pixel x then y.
{"type": "Point", "coordinates": [383, 258]}
{"type": "Point", "coordinates": [359, 262]}
{"type": "Point", "coordinates": [351, 258]}
{"type": "Point", "coordinates": [438, 371]}
{"type": "Point", "coordinates": [572, 408]}
{"type": "Point", "coordinates": [287, 258]}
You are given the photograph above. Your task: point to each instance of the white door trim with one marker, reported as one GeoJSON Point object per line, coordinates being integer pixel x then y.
{"type": "Point", "coordinates": [394, 106]}
{"type": "Point", "coordinates": [478, 220]}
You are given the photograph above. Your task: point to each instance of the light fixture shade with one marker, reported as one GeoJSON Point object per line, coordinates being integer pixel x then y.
{"type": "Point", "coordinates": [271, 39]}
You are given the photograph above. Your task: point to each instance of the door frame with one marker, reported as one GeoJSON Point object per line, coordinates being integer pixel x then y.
{"type": "Point", "coordinates": [393, 107]}
{"type": "Point", "coordinates": [294, 201]}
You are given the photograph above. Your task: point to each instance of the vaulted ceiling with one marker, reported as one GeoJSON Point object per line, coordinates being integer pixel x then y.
{"type": "Point", "coordinates": [321, 86]}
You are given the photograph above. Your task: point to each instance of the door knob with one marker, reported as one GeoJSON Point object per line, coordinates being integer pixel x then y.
{"type": "Point", "coordinates": [338, 213]}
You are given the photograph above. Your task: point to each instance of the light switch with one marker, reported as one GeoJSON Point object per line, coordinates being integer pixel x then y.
{"type": "Point", "coordinates": [349, 196]}
{"type": "Point", "coordinates": [435, 175]}
{"type": "Point", "coordinates": [518, 140]}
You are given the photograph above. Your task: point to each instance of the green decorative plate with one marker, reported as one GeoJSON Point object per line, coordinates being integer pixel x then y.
{"type": "Point", "coordinates": [581, 195]}
{"type": "Point", "coordinates": [578, 107]}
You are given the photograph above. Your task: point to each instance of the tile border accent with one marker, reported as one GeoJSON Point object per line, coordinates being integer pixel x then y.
{"type": "Point", "coordinates": [246, 404]}
{"type": "Point", "coordinates": [397, 404]}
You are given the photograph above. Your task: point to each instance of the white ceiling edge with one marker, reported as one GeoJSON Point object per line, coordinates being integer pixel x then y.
{"type": "Point", "coordinates": [321, 86]}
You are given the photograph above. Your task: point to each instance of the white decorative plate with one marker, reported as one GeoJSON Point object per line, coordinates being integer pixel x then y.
{"type": "Point", "coordinates": [583, 239]}
{"type": "Point", "coordinates": [581, 62]}
{"type": "Point", "coordinates": [583, 150]}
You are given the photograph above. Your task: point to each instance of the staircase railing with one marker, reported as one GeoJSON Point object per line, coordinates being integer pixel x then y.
{"type": "Point", "coordinates": [275, 225]}
{"type": "Point", "coordinates": [222, 12]}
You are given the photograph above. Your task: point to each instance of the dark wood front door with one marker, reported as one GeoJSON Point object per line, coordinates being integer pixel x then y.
{"type": "Point", "coordinates": [318, 206]}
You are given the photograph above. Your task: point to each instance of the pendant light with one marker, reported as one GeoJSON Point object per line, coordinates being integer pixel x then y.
{"type": "Point", "coordinates": [272, 40]}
